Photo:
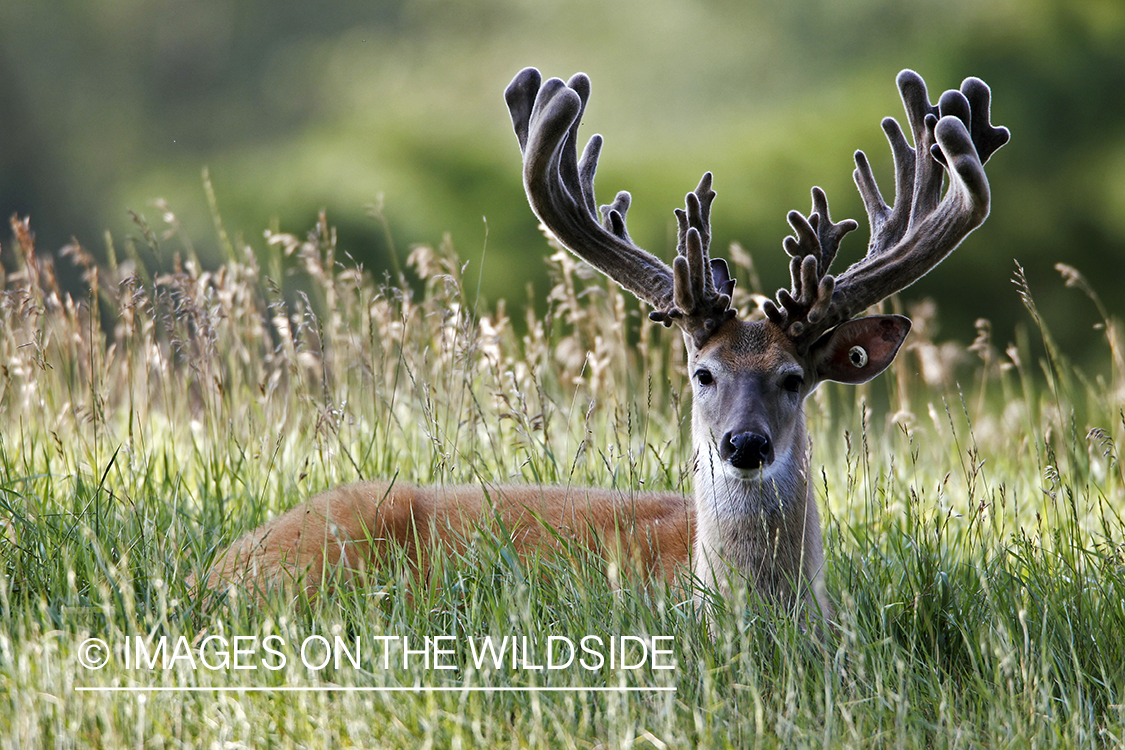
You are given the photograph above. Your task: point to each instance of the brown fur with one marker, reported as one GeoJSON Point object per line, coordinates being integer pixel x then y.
{"type": "Point", "coordinates": [343, 533]}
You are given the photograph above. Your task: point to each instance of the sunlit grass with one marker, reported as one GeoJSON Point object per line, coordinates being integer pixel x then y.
{"type": "Point", "coordinates": [972, 501]}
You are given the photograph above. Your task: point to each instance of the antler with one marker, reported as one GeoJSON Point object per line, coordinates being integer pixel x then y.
{"type": "Point", "coordinates": [954, 138]}
{"type": "Point", "coordinates": [560, 189]}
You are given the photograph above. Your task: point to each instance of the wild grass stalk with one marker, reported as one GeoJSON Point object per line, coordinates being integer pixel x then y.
{"type": "Point", "coordinates": [975, 538]}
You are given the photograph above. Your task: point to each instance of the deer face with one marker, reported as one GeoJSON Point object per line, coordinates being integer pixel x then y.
{"type": "Point", "coordinates": [749, 382]}
{"type": "Point", "coordinates": [748, 387]}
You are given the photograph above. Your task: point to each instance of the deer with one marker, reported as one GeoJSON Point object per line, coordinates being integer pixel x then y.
{"type": "Point", "coordinates": [751, 523]}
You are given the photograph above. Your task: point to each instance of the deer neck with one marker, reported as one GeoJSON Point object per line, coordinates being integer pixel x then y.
{"type": "Point", "coordinates": [759, 530]}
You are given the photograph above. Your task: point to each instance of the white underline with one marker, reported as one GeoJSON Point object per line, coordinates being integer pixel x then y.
{"type": "Point", "coordinates": [362, 689]}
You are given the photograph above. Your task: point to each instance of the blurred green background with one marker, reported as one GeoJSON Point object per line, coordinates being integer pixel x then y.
{"type": "Point", "coordinates": [296, 106]}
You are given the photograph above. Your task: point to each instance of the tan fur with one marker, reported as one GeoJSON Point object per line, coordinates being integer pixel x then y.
{"type": "Point", "coordinates": [341, 534]}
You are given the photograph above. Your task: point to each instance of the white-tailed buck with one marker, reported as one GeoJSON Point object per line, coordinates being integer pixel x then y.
{"type": "Point", "coordinates": [753, 520]}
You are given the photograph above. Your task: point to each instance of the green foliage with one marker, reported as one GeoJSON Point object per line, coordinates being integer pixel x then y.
{"type": "Point", "coordinates": [974, 534]}
{"type": "Point", "coordinates": [297, 108]}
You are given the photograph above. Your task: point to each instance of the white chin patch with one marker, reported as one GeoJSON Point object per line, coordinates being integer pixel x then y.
{"type": "Point", "coordinates": [746, 475]}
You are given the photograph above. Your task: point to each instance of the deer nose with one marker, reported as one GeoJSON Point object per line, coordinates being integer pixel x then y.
{"type": "Point", "coordinates": [746, 450]}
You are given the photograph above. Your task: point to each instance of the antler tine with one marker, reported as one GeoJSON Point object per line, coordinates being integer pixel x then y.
{"type": "Point", "coordinates": [804, 308]}
{"type": "Point", "coordinates": [916, 175]}
{"type": "Point", "coordinates": [560, 188]}
{"type": "Point", "coordinates": [701, 286]}
{"type": "Point", "coordinates": [951, 139]}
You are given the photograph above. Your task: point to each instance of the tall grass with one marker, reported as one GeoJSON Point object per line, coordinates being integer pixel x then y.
{"type": "Point", "coordinates": [972, 501]}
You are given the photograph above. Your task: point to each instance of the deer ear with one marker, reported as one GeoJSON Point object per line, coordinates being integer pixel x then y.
{"type": "Point", "coordinates": [858, 350]}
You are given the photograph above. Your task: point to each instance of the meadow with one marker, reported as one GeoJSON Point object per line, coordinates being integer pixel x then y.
{"type": "Point", "coordinates": [971, 496]}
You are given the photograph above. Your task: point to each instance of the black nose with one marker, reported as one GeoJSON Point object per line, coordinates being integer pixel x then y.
{"type": "Point", "coordinates": [746, 450]}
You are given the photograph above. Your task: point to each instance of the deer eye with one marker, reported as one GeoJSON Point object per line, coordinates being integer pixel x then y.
{"type": "Point", "coordinates": [704, 377]}
{"type": "Point", "coordinates": [793, 383]}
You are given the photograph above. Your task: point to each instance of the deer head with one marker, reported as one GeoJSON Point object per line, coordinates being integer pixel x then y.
{"type": "Point", "coordinates": [750, 378]}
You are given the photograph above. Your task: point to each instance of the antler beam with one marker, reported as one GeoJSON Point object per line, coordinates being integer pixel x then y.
{"type": "Point", "coordinates": [560, 188]}
{"type": "Point", "coordinates": [952, 139]}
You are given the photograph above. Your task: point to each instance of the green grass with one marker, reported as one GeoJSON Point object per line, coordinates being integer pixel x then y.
{"type": "Point", "coordinates": [974, 537]}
